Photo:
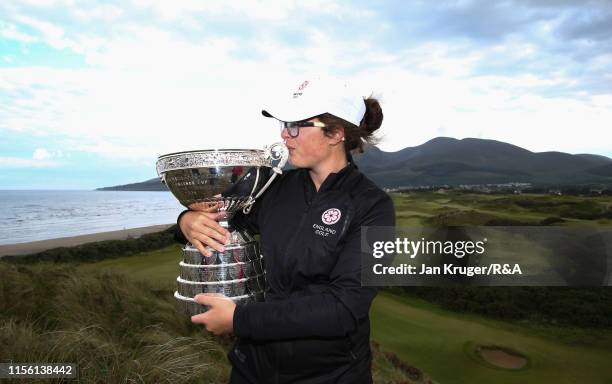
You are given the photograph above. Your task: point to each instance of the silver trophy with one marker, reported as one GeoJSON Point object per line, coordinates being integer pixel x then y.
{"type": "Point", "coordinates": [226, 180]}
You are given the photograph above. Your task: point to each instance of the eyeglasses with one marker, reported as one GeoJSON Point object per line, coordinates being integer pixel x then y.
{"type": "Point", "coordinates": [293, 127]}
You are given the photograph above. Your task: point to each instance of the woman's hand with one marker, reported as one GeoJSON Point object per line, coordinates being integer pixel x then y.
{"type": "Point", "coordinates": [200, 226]}
{"type": "Point", "coordinates": [219, 319]}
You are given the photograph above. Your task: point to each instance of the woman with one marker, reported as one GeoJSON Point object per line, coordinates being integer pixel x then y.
{"type": "Point", "coordinates": [314, 325]}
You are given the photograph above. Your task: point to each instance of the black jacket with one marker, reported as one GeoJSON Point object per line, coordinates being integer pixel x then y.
{"type": "Point", "coordinates": [313, 326]}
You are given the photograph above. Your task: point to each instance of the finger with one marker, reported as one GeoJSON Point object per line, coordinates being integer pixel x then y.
{"type": "Point", "coordinates": [206, 206]}
{"type": "Point", "coordinates": [212, 243]}
{"type": "Point", "coordinates": [206, 225]}
{"type": "Point", "coordinates": [205, 299]}
{"type": "Point", "coordinates": [210, 220]}
{"type": "Point", "coordinates": [203, 250]}
{"type": "Point", "coordinates": [213, 207]}
{"type": "Point", "coordinates": [202, 318]}
{"type": "Point", "coordinates": [218, 233]}
{"type": "Point", "coordinates": [214, 222]}
{"type": "Point", "coordinates": [214, 294]}
{"type": "Point", "coordinates": [210, 299]}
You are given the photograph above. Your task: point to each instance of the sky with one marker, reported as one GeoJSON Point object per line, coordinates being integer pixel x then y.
{"type": "Point", "coordinates": [91, 93]}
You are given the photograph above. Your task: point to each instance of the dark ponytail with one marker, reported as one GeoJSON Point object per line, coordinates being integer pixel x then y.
{"type": "Point", "coordinates": [356, 137]}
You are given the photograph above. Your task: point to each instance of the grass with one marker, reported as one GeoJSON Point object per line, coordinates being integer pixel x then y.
{"type": "Point", "coordinates": [435, 341]}
{"type": "Point", "coordinates": [115, 329]}
{"type": "Point", "coordinates": [159, 266]}
{"type": "Point", "coordinates": [457, 208]}
{"type": "Point", "coordinates": [116, 319]}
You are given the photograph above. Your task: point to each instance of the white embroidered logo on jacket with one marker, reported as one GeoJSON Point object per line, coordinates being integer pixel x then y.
{"type": "Point", "coordinates": [331, 216]}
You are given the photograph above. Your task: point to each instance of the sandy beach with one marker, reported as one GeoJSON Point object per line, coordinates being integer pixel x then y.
{"type": "Point", "coordinates": [38, 246]}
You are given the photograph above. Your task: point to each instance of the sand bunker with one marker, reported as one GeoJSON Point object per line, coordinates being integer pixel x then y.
{"type": "Point", "coordinates": [502, 357]}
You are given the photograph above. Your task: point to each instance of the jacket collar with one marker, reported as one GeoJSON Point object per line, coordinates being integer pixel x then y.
{"type": "Point", "coordinates": [333, 181]}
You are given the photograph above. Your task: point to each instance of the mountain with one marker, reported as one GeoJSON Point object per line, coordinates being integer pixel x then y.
{"type": "Point", "coordinates": [445, 160]}
{"type": "Point", "coordinates": [149, 185]}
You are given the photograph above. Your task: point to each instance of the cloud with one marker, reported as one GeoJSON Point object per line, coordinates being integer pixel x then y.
{"type": "Point", "coordinates": [104, 12]}
{"type": "Point", "coordinates": [49, 32]}
{"type": "Point", "coordinates": [260, 11]}
{"type": "Point", "coordinates": [40, 158]}
{"type": "Point", "coordinates": [159, 77]}
{"type": "Point", "coordinates": [41, 154]}
{"type": "Point", "coordinates": [588, 23]}
{"type": "Point", "coordinates": [18, 162]}
{"type": "Point", "coordinates": [10, 32]}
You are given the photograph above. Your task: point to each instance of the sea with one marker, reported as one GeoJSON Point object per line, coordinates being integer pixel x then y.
{"type": "Point", "coordinates": [40, 215]}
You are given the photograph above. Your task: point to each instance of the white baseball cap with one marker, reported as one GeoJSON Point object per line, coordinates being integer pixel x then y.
{"type": "Point", "coordinates": [315, 96]}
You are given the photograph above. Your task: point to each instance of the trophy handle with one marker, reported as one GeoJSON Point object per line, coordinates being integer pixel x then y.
{"type": "Point", "coordinates": [277, 152]}
{"type": "Point", "coordinates": [162, 176]}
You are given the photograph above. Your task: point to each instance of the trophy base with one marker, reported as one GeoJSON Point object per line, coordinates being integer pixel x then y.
{"type": "Point", "coordinates": [229, 288]}
{"type": "Point", "coordinates": [243, 248]}
{"type": "Point", "coordinates": [237, 273]}
{"type": "Point", "coordinates": [221, 272]}
{"type": "Point", "coordinates": [188, 305]}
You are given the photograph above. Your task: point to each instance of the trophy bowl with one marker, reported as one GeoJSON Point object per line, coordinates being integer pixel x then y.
{"type": "Point", "coordinates": [221, 180]}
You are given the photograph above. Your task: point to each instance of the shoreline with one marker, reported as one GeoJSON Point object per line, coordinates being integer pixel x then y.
{"type": "Point", "coordinates": [21, 249]}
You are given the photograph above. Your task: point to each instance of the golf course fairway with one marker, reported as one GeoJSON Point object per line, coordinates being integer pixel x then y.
{"type": "Point", "coordinates": [441, 344]}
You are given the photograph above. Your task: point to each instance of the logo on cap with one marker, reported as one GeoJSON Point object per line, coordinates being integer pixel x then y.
{"type": "Point", "coordinates": [331, 216]}
{"type": "Point", "coordinates": [300, 89]}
